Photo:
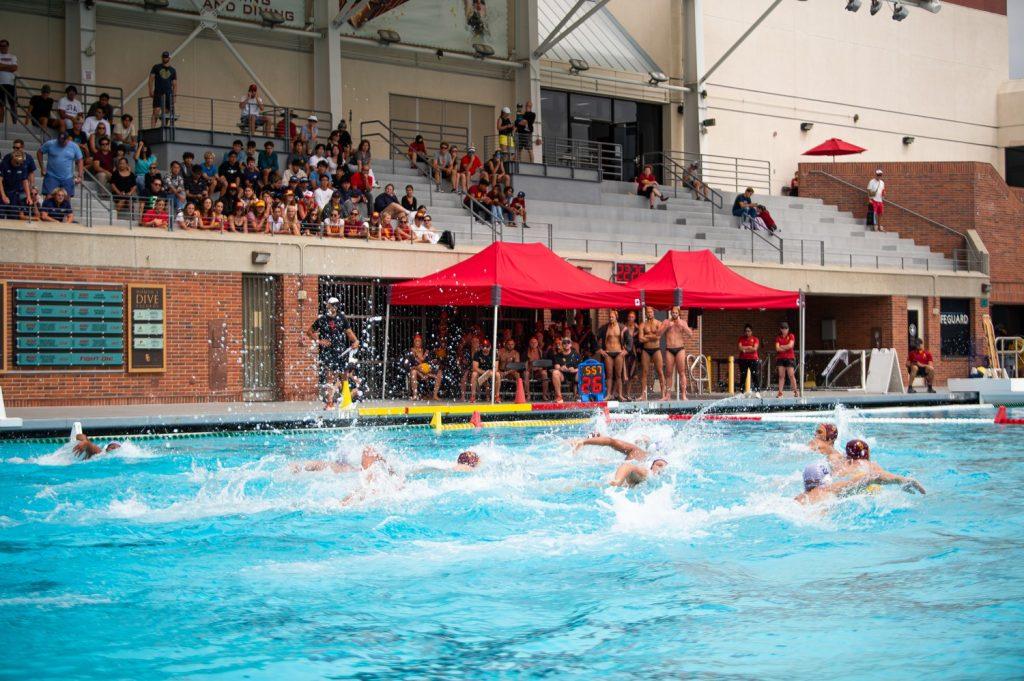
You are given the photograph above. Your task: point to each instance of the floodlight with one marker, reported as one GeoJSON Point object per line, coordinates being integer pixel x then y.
{"type": "Point", "coordinates": [899, 12]}
{"type": "Point", "coordinates": [876, 7]}
{"type": "Point", "coordinates": [387, 36]}
{"type": "Point", "coordinates": [577, 66]}
{"type": "Point", "coordinates": [853, 5]}
{"type": "Point", "coordinates": [656, 78]}
{"type": "Point", "coordinates": [483, 50]}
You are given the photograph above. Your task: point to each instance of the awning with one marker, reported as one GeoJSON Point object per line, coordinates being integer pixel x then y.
{"type": "Point", "coordinates": [699, 279]}
{"type": "Point", "coordinates": [601, 40]}
{"type": "Point", "coordinates": [514, 275]}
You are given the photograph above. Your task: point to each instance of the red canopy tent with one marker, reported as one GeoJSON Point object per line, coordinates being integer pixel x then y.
{"type": "Point", "coordinates": [699, 279]}
{"type": "Point", "coordinates": [834, 147]}
{"type": "Point", "coordinates": [513, 275]}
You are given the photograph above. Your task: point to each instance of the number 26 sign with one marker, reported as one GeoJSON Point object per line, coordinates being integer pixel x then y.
{"type": "Point", "coordinates": [593, 387]}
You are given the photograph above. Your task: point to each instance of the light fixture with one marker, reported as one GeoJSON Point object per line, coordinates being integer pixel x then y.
{"type": "Point", "coordinates": [577, 66]}
{"type": "Point", "coordinates": [932, 6]}
{"type": "Point", "coordinates": [260, 257]}
{"type": "Point", "coordinates": [876, 7]}
{"type": "Point", "coordinates": [387, 36]}
{"type": "Point", "coordinates": [704, 93]}
{"type": "Point", "coordinates": [656, 78]}
{"type": "Point", "coordinates": [156, 4]}
{"type": "Point", "coordinates": [908, 140]}
{"type": "Point", "coordinates": [899, 12]}
{"type": "Point", "coordinates": [806, 127]}
{"type": "Point", "coordinates": [852, 5]}
{"type": "Point", "coordinates": [271, 17]}
{"type": "Point", "coordinates": [483, 50]}
{"type": "Point", "coordinates": [856, 117]}
{"type": "Point", "coordinates": [708, 122]}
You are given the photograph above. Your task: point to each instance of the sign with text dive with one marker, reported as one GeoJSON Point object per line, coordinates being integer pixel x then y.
{"type": "Point", "coordinates": [62, 326]}
{"type": "Point", "coordinates": [147, 328]}
{"type": "Point", "coordinates": [3, 326]}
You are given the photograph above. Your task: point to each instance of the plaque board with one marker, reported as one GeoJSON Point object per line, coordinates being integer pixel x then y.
{"type": "Point", "coordinates": [147, 328]}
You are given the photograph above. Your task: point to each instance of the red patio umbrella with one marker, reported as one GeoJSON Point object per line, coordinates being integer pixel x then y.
{"type": "Point", "coordinates": [834, 147]}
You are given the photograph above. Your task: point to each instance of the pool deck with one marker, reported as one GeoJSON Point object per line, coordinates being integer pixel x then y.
{"type": "Point", "coordinates": [207, 416]}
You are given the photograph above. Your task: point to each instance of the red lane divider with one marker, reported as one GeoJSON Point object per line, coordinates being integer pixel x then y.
{"type": "Point", "coordinates": [554, 406]}
{"type": "Point", "coordinates": [1003, 420]}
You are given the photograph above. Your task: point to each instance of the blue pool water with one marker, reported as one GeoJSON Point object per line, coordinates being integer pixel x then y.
{"type": "Point", "coordinates": [210, 557]}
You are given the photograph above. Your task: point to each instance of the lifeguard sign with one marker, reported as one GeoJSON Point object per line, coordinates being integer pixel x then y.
{"type": "Point", "coordinates": [593, 387]}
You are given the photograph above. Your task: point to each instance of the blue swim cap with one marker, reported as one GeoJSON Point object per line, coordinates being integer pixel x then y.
{"type": "Point", "coordinates": [816, 474]}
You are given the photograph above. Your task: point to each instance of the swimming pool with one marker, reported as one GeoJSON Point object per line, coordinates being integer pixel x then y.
{"type": "Point", "coordinates": [209, 556]}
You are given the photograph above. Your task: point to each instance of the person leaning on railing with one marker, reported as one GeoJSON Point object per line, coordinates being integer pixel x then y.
{"type": "Point", "coordinates": [17, 171]}
{"type": "Point", "coordinates": [157, 216]}
{"type": "Point", "coordinates": [57, 207]}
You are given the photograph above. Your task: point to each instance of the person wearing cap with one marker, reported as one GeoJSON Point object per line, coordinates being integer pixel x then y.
{"type": "Point", "coordinates": [630, 474]}
{"type": "Point", "coordinates": [469, 165]}
{"type": "Point", "coordinates": [64, 164]}
{"type": "Point", "coordinates": [259, 218]}
{"type": "Point", "coordinates": [85, 449]}
{"type": "Point", "coordinates": [506, 128]}
{"type": "Point", "coordinates": [564, 366]}
{"type": "Point", "coordinates": [482, 370]}
{"type": "Point", "coordinates": [68, 108]}
{"type": "Point", "coordinates": [344, 136]}
{"type": "Point", "coordinates": [517, 209]}
{"type": "Point", "coordinates": [17, 176]}
{"type": "Point", "coordinates": [920, 363]}
{"type": "Point", "coordinates": [40, 110]}
{"type": "Point", "coordinates": [855, 473]}
{"type": "Point", "coordinates": [824, 442]}
{"type": "Point", "coordinates": [526, 118]}
{"type": "Point", "coordinates": [417, 152]}
{"type": "Point", "coordinates": [876, 200]}
{"type": "Point", "coordinates": [335, 341]}
{"type": "Point", "coordinates": [252, 107]}
{"type": "Point", "coordinates": [291, 132]}
{"type": "Point", "coordinates": [310, 130]}
{"type": "Point", "coordinates": [785, 358]}
{"type": "Point", "coordinates": [163, 86]}
{"type": "Point", "coordinates": [494, 170]}
{"type": "Point", "coordinates": [8, 69]}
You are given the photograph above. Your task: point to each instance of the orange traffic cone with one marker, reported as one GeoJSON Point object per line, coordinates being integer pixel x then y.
{"type": "Point", "coordinates": [520, 393]}
{"type": "Point", "coordinates": [475, 420]}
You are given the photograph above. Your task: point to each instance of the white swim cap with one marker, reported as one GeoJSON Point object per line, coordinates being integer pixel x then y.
{"type": "Point", "coordinates": [816, 474]}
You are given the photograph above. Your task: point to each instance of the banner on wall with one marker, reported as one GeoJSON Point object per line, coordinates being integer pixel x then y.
{"type": "Point", "coordinates": [293, 11]}
{"type": "Point", "coordinates": [438, 24]}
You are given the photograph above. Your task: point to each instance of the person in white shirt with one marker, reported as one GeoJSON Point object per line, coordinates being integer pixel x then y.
{"type": "Point", "coordinates": [69, 107]}
{"type": "Point", "coordinates": [423, 229]}
{"type": "Point", "coordinates": [8, 67]}
{"type": "Point", "coordinates": [323, 193]}
{"type": "Point", "coordinates": [95, 124]}
{"type": "Point", "coordinates": [252, 111]}
{"type": "Point", "coordinates": [876, 198]}
{"type": "Point", "coordinates": [310, 131]}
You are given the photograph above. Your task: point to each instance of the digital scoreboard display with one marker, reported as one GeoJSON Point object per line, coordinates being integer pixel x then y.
{"type": "Point", "coordinates": [57, 326]}
{"type": "Point", "coordinates": [626, 272]}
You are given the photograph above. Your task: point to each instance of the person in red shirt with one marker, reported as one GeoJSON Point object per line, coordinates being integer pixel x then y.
{"type": "Point", "coordinates": [469, 166]}
{"type": "Point", "coordinates": [919, 363]}
{"type": "Point", "coordinates": [748, 345]}
{"type": "Point", "coordinates": [353, 227]}
{"type": "Point", "coordinates": [785, 358]}
{"type": "Point", "coordinates": [479, 193]}
{"type": "Point", "coordinates": [647, 185]}
{"type": "Point", "coordinates": [417, 152]}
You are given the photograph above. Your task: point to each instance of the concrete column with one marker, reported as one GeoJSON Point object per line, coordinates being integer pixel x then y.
{"type": "Point", "coordinates": [694, 109]}
{"type": "Point", "coordinates": [79, 43]}
{"type": "Point", "coordinates": [527, 80]}
{"type": "Point", "coordinates": [327, 90]}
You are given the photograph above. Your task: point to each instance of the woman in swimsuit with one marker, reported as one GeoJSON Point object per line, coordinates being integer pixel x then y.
{"type": "Point", "coordinates": [650, 341]}
{"type": "Point", "coordinates": [534, 352]}
{"type": "Point", "coordinates": [614, 354]}
{"type": "Point", "coordinates": [421, 369]}
{"type": "Point", "coordinates": [631, 341]}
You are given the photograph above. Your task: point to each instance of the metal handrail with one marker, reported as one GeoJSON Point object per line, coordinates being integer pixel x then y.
{"type": "Point", "coordinates": [603, 157]}
{"type": "Point", "coordinates": [27, 86]}
{"type": "Point", "coordinates": [756, 232]}
{"type": "Point", "coordinates": [389, 139]}
{"type": "Point", "coordinates": [723, 170]}
{"type": "Point", "coordinates": [433, 133]}
{"type": "Point", "coordinates": [681, 174]}
{"type": "Point", "coordinates": [497, 231]}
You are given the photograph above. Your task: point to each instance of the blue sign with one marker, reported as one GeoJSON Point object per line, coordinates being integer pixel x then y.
{"type": "Point", "coordinates": [593, 387]}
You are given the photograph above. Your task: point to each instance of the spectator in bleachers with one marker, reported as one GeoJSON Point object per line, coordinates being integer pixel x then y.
{"type": "Point", "coordinates": [477, 200]}
{"type": "Point", "coordinates": [125, 134]}
{"type": "Point", "coordinates": [388, 205]}
{"type": "Point", "coordinates": [517, 207]}
{"type": "Point", "coordinates": [230, 169]}
{"type": "Point", "coordinates": [443, 165]}
{"type": "Point", "coordinates": [250, 173]}
{"type": "Point", "coordinates": [123, 185]}
{"type": "Point", "coordinates": [743, 208]}
{"type": "Point", "coordinates": [355, 228]}
{"type": "Point", "coordinates": [209, 167]}
{"type": "Point", "coordinates": [496, 202]}
{"type": "Point", "coordinates": [764, 219]}
{"type": "Point", "coordinates": [294, 170]}
{"type": "Point", "coordinates": [152, 182]}
{"type": "Point", "coordinates": [292, 130]}
{"type": "Point", "coordinates": [77, 135]}
{"type": "Point", "coordinates": [323, 193]}
{"type": "Point", "coordinates": [310, 132]}
{"type": "Point", "coordinates": [267, 162]}
{"type": "Point", "coordinates": [238, 221]}
{"type": "Point", "coordinates": [422, 229]}
{"type": "Point", "coordinates": [353, 199]}
{"type": "Point", "coordinates": [692, 181]}
{"type": "Point", "coordinates": [188, 218]}
{"type": "Point", "coordinates": [197, 186]}
{"type": "Point", "coordinates": [333, 225]}
{"type": "Point", "coordinates": [292, 224]}
{"type": "Point", "coordinates": [409, 202]}
{"type": "Point", "coordinates": [252, 107]}
{"type": "Point", "coordinates": [525, 121]}
{"type": "Point", "coordinates": [320, 157]}
{"type": "Point", "coordinates": [794, 184]}
{"type": "Point", "coordinates": [206, 214]}
{"type": "Point", "coordinates": [876, 200]}
{"type": "Point", "coordinates": [565, 362]}
{"type": "Point", "coordinates": [506, 128]}
{"type": "Point", "coordinates": [494, 169]}
{"type": "Point", "coordinates": [102, 109]}
{"type": "Point", "coordinates": [163, 86]}
{"type": "Point", "coordinates": [218, 220]}
{"type": "Point", "coordinates": [344, 137]}
{"type": "Point", "coordinates": [68, 108]}
{"type": "Point", "coordinates": [231, 196]}
{"type": "Point", "coordinates": [8, 69]}
{"type": "Point", "coordinates": [144, 160]}
{"type": "Point", "coordinates": [469, 165]}
{"type": "Point", "coordinates": [156, 216]}
{"type": "Point", "coordinates": [377, 230]}
{"type": "Point", "coordinates": [17, 177]}
{"type": "Point", "coordinates": [403, 230]}
{"type": "Point", "coordinates": [102, 163]}
{"type": "Point", "coordinates": [57, 207]}
{"type": "Point", "coordinates": [40, 110]}
{"type": "Point", "coordinates": [64, 164]}
{"type": "Point", "coordinates": [417, 152]}
{"type": "Point", "coordinates": [320, 170]}
{"type": "Point", "coordinates": [647, 185]}
{"type": "Point", "coordinates": [259, 218]}
{"type": "Point", "coordinates": [276, 221]}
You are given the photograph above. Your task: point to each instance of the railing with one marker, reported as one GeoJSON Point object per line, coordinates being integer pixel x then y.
{"type": "Point", "coordinates": [433, 134]}
{"type": "Point", "coordinates": [1010, 351]}
{"type": "Point", "coordinates": [964, 259]}
{"type": "Point", "coordinates": [27, 87]}
{"type": "Point", "coordinates": [681, 175]}
{"type": "Point", "coordinates": [601, 157]}
{"type": "Point", "coordinates": [210, 115]}
{"type": "Point", "coordinates": [397, 148]}
{"type": "Point", "coordinates": [728, 172]}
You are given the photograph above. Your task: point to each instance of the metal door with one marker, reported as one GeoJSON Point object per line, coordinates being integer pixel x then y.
{"type": "Point", "coordinates": [259, 337]}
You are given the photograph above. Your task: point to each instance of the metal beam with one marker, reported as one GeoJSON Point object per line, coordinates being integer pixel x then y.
{"type": "Point", "coordinates": [558, 27]}
{"type": "Point", "coordinates": [245, 65]}
{"type": "Point", "coordinates": [184, 43]}
{"type": "Point", "coordinates": [553, 40]}
{"type": "Point", "coordinates": [739, 42]}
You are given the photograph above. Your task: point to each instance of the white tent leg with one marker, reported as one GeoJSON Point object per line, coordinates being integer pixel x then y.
{"type": "Point", "coordinates": [384, 377]}
{"type": "Point", "coordinates": [803, 341]}
{"type": "Point", "coordinates": [494, 357]}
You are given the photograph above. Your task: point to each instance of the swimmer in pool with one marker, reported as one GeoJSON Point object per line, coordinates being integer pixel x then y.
{"type": "Point", "coordinates": [369, 457]}
{"type": "Point", "coordinates": [631, 474]}
{"type": "Point", "coordinates": [85, 449]}
{"type": "Point", "coordinates": [858, 466]}
{"type": "Point", "coordinates": [824, 442]}
{"type": "Point", "coordinates": [819, 486]}
{"type": "Point", "coordinates": [467, 462]}
{"type": "Point", "coordinates": [632, 451]}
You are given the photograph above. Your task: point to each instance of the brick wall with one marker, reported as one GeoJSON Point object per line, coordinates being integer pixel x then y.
{"type": "Point", "coordinates": [193, 300]}
{"type": "Point", "coordinates": [295, 377]}
{"type": "Point", "coordinates": [961, 195]}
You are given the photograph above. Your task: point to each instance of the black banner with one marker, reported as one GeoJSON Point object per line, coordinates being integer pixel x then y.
{"type": "Point", "coordinates": [147, 328]}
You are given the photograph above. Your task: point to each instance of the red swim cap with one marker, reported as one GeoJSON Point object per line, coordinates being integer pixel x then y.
{"type": "Point", "coordinates": [857, 449]}
{"type": "Point", "coordinates": [831, 432]}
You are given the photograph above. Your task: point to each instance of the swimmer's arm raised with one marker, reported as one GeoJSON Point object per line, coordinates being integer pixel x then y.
{"type": "Point", "coordinates": [85, 447]}
{"type": "Point", "coordinates": [887, 478]}
{"type": "Point", "coordinates": [602, 441]}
